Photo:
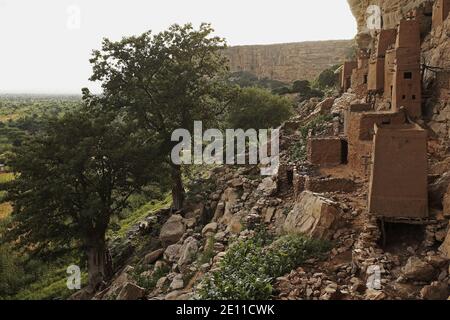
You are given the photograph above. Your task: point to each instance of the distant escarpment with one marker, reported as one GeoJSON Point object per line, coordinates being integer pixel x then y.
{"type": "Point", "coordinates": [288, 62]}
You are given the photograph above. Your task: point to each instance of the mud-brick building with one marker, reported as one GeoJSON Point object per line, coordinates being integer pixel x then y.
{"type": "Point", "coordinates": [398, 182]}
{"type": "Point", "coordinates": [359, 130]}
{"type": "Point", "coordinates": [441, 10]}
{"type": "Point", "coordinates": [346, 75]}
{"type": "Point", "coordinates": [360, 75]}
{"type": "Point", "coordinates": [385, 40]}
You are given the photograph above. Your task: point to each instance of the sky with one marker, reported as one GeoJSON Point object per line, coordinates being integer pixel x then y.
{"type": "Point", "coordinates": [45, 45]}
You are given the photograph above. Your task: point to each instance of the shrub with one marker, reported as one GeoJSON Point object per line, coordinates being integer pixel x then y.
{"type": "Point", "coordinates": [249, 267]}
{"type": "Point", "coordinates": [256, 108]}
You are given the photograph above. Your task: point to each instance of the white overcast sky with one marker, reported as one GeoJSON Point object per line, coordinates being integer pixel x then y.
{"type": "Point", "coordinates": [43, 51]}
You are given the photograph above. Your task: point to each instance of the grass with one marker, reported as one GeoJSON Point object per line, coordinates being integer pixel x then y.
{"type": "Point", "coordinates": [5, 208]}
{"type": "Point", "coordinates": [140, 214]}
{"type": "Point", "coordinates": [6, 177]}
{"type": "Point", "coordinates": [51, 286]}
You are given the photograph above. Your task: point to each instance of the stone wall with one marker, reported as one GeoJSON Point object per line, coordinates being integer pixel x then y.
{"type": "Point", "coordinates": [288, 62]}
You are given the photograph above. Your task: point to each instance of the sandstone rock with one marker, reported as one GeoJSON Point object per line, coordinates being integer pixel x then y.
{"type": "Point", "coordinates": [312, 215]}
{"type": "Point", "coordinates": [287, 62]}
{"type": "Point", "coordinates": [375, 295]}
{"type": "Point", "coordinates": [438, 189]}
{"type": "Point", "coordinates": [269, 214]}
{"type": "Point", "coordinates": [116, 285]}
{"type": "Point", "coordinates": [172, 252]}
{"type": "Point", "coordinates": [209, 228]}
{"type": "Point", "coordinates": [268, 187]}
{"type": "Point", "coordinates": [153, 256]}
{"type": "Point", "coordinates": [230, 198]}
{"type": "Point", "coordinates": [445, 247]}
{"type": "Point", "coordinates": [174, 295]}
{"type": "Point", "coordinates": [131, 291]}
{"type": "Point", "coordinates": [324, 107]}
{"type": "Point", "coordinates": [416, 269]}
{"type": "Point", "coordinates": [80, 295]}
{"type": "Point", "coordinates": [177, 282]}
{"type": "Point", "coordinates": [188, 251]}
{"type": "Point", "coordinates": [162, 282]}
{"type": "Point", "coordinates": [446, 203]}
{"type": "Point", "coordinates": [435, 291]}
{"type": "Point", "coordinates": [342, 103]}
{"type": "Point", "coordinates": [235, 225]}
{"type": "Point", "coordinates": [172, 230]}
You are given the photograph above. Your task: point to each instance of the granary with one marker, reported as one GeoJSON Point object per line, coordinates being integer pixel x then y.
{"type": "Point", "coordinates": [360, 74]}
{"type": "Point", "coordinates": [441, 10]}
{"type": "Point", "coordinates": [346, 75]}
{"type": "Point", "coordinates": [389, 71]}
{"type": "Point", "coordinates": [359, 128]}
{"type": "Point", "coordinates": [398, 181]}
{"type": "Point", "coordinates": [407, 81]}
{"type": "Point", "coordinates": [385, 40]}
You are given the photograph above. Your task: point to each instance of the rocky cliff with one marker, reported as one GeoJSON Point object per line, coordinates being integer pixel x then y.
{"type": "Point", "coordinates": [288, 62]}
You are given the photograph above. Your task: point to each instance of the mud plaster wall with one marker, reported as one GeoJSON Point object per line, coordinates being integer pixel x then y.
{"type": "Point", "coordinates": [398, 184]}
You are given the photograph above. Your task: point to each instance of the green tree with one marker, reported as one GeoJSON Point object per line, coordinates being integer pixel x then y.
{"type": "Point", "coordinates": [327, 78]}
{"type": "Point", "coordinates": [256, 108]}
{"type": "Point", "coordinates": [165, 82]}
{"type": "Point", "coordinates": [72, 177]}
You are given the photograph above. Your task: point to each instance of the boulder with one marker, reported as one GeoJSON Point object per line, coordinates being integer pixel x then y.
{"type": "Point", "coordinates": [435, 291]}
{"type": "Point", "coordinates": [269, 214]}
{"type": "Point", "coordinates": [417, 269]}
{"type": "Point", "coordinates": [446, 203]}
{"type": "Point", "coordinates": [116, 285]}
{"type": "Point", "coordinates": [172, 230]}
{"type": "Point", "coordinates": [188, 251]}
{"type": "Point", "coordinates": [312, 215]}
{"type": "Point", "coordinates": [268, 187]}
{"type": "Point", "coordinates": [224, 212]}
{"type": "Point", "coordinates": [324, 107]}
{"type": "Point", "coordinates": [209, 228]}
{"type": "Point", "coordinates": [130, 291]}
{"type": "Point", "coordinates": [153, 256]}
{"type": "Point", "coordinates": [445, 247]}
{"type": "Point", "coordinates": [438, 190]}
{"type": "Point", "coordinates": [177, 282]}
{"type": "Point", "coordinates": [172, 252]}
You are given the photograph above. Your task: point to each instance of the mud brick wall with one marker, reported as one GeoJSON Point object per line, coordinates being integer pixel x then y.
{"type": "Point", "coordinates": [325, 151]}
{"type": "Point", "coordinates": [398, 183]}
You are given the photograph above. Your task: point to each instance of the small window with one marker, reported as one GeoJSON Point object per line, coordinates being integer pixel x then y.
{"type": "Point", "coordinates": [414, 97]}
{"type": "Point", "coordinates": [407, 75]}
{"type": "Point", "coordinates": [403, 97]}
{"type": "Point", "coordinates": [365, 78]}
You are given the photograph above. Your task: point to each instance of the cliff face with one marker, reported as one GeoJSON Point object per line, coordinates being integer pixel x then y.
{"type": "Point", "coordinates": [288, 62]}
{"type": "Point", "coordinates": [435, 50]}
{"type": "Point", "coordinates": [392, 10]}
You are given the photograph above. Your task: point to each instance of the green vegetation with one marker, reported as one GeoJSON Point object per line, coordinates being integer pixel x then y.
{"type": "Point", "coordinates": [256, 108]}
{"type": "Point", "coordinates": [249, 267]}
{"type": "Point", "coordinates": [245, 79]}
{"type": "Point", "coordinates": [149, 282]}
{"type": "Point", "coordinates": [327, 79]}
{"type": "Point", "coordinates": [22, 115]}
{"type": "Point", "coordinates": [187, 83]}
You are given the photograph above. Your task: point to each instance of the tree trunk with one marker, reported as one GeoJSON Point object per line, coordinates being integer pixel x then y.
{"type": "Point", "coordinates": [99, 262]}
{"type": "Point", "coordinates": [177, 188]}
